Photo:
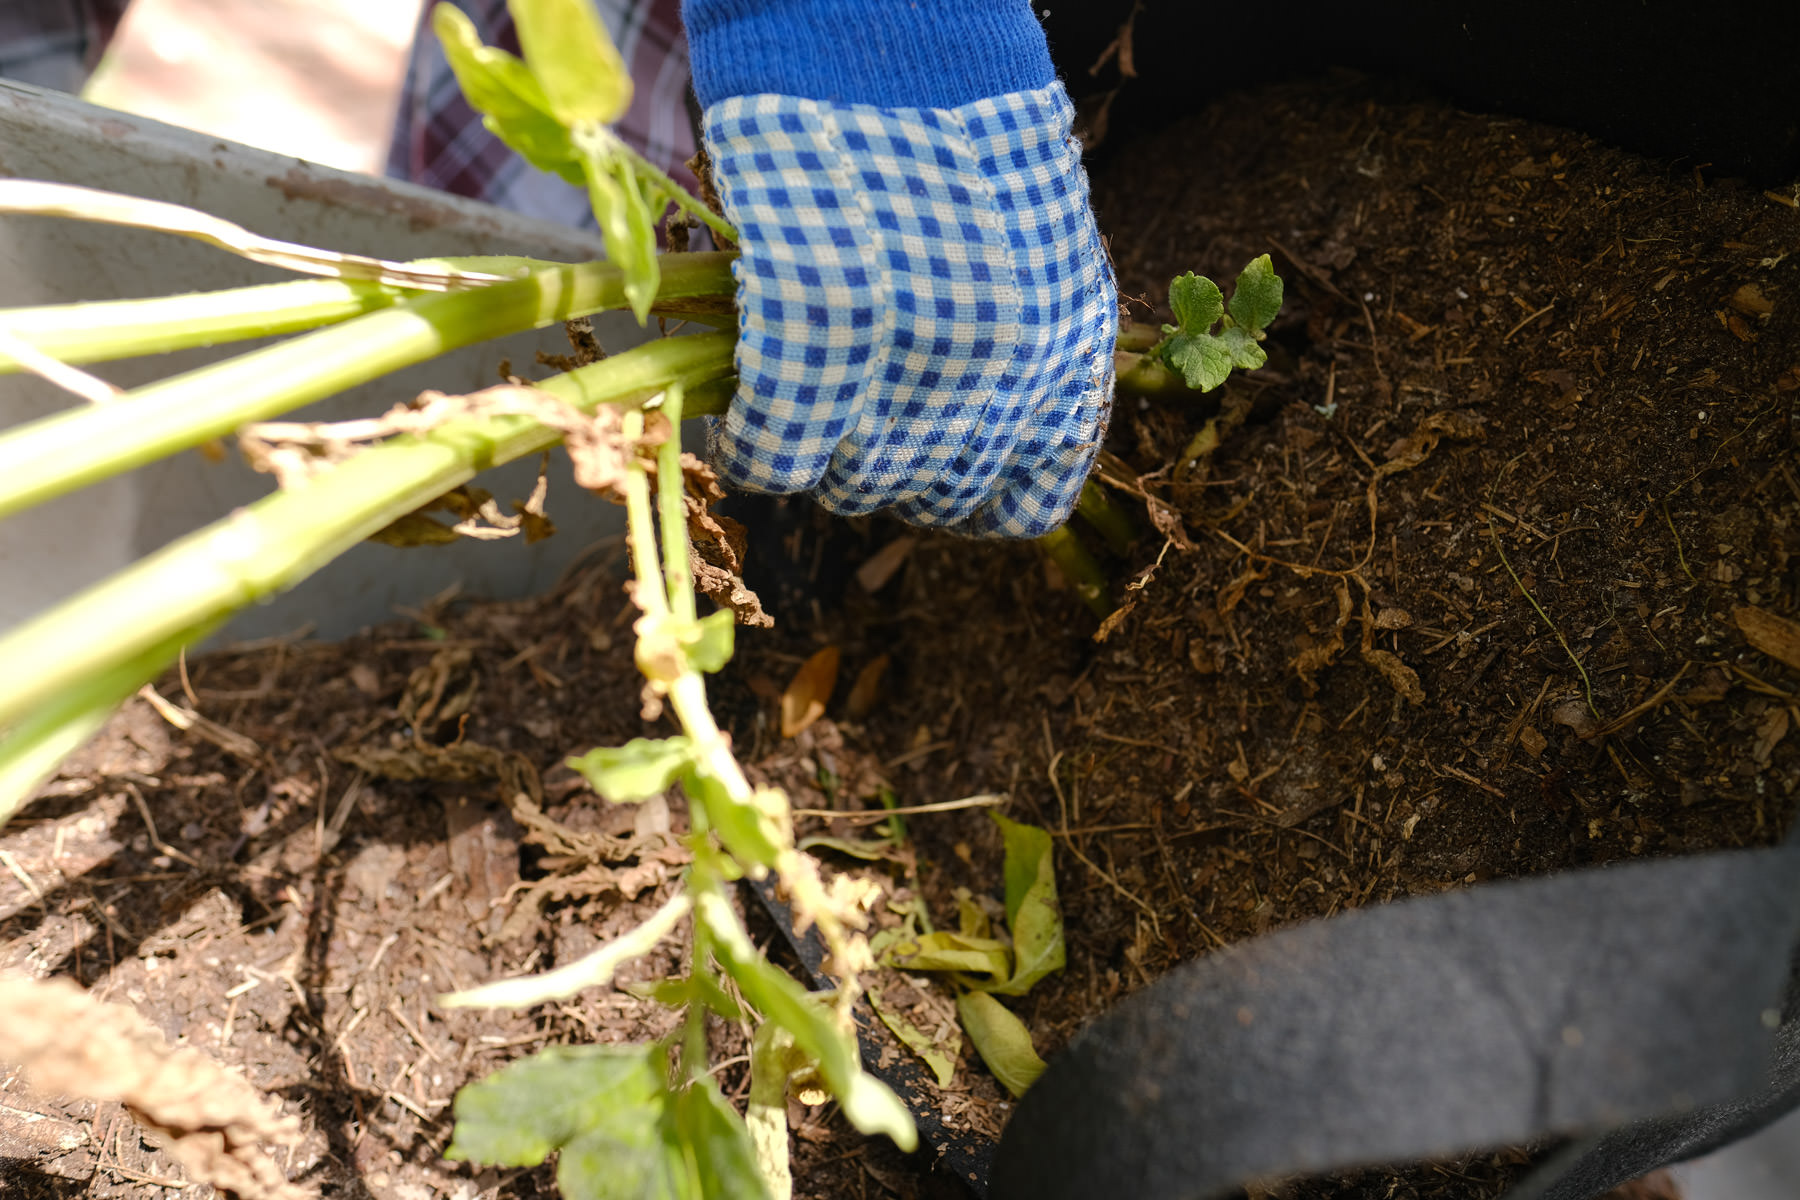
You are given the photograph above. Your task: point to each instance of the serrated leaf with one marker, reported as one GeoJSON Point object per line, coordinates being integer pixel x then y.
{"type": "Point", "coordinates": [717, 1143]}
{"type": "Point", "coordinates": [946, 951]}
{"type": "Point", "coordinates": [1241, 345]}
{"type": "Point", "coordinates": [1001, 1039]}
{"type": "Point", "coordinates": [868, 1103]}
{"type": "Point", "coordinates": [750, 832]}
{"type": "Point", "coordinates": [502, 89]}
{"type": "Point", "coordinates": [636, 771]}
{"type": "Point", "coordinates": [1202, 360]}
{"type": "Point", "coordinates": [568, 50]}
{"type": "Point", "coordinates": [1032, 913]}
{"type": "Point", "coordinates": [523, 1112]}
{"type": "Point", "coordinates": [941, 1060]}
{"type": "Point", "coordinates": [710, 644]}
{"type": "Point", "coordinates": [1197, 302]}
{"type": "Point", "coordinates": [1257, 297]}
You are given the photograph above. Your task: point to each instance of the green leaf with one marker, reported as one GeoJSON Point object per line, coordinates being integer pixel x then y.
{"type": "Point", "coordinates": [1001, 1039]}
{"type": "Point", "coordinates": [1032, 913]}
{"type": "Point", "coordinates": [1202, 360]}
{"type": "Point", "coordinates": [638, 770]}
{"type": "Point", "coordinates": [1257, 297]}
{"type": "Point", "coordinates": [512, 103]}
{"type": "Point", "coordinates": [711, 645]}
{"type": "Point", "coordinates": [1197, 302]}
{"type": "Point", "coordinates": [1241, 345]}
{"type": "Point", "coordinates": [567, 48]}
{"type": "Point", "coordinates": [946, 951]}
{"type": "Point", "coordinates": [717, 1143]}
{"type": "Point", "coordinates": [751, 834]}
{"type": "Point", "coordinates": [941, 1060]}
{"type": "Point", "coordinates": [601, 1106]}
{"type": "Point", "coordinates": [869, 1104]}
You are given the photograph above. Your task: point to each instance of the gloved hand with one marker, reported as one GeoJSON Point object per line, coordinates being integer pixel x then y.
{"type": "Point", "coordinates": [926, 312]}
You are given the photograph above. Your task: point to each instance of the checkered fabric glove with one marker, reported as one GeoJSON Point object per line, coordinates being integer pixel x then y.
{"type": "Point", "coordinates": [926, 312]}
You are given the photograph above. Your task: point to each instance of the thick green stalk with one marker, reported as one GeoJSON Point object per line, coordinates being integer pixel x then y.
{"type": "Point", "coordinates": [61, 453]}
{"type": "Point", "coordinates": [31, 750]}
{"type": "Point", "coordinates": [268, 547]}
{"type": "Point", "coordinates": [98, 331]}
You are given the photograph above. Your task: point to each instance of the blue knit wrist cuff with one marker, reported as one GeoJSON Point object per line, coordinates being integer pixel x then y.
{"type": "Point", "coordinates": [892, 53]}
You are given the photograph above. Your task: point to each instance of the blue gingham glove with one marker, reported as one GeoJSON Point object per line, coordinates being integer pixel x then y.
{"type": "Point", "coordinates": [926, 312]}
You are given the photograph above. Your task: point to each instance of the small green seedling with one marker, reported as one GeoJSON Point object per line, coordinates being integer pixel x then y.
{"type": "Point", "coordinates": [1205, 358]}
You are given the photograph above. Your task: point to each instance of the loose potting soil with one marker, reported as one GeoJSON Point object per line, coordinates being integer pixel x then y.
{"type": "Point", "coordinates": [1490, 573]}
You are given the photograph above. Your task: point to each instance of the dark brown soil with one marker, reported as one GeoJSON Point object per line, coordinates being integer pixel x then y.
{"type": "Point", "coordinates": [1459, 599]}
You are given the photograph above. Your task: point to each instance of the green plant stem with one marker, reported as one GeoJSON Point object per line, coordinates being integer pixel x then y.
{"type": "Point", "coordinates": [192, 585]}
{"type": "Point", "coordinates": [1108, 519]}
{"type": "Point", "coordinates": [640, 530]}
{"type": "Point", "coordinates": [672, 498]}
{"type": "Point", "coordinates": [1137, 336]}
{"type": "Point", "coordinates": [1143, 374]}
{"type": "Point", "coordinates": [106, 330]}
{"type": "Point", "coordinates": [1079, 568]}
{"type": "Point", "coordinates": [56, 728]}
{"type": "Point", "coordinates": [62, 453]}
{"type": "Point", "coordinates": [99, 332]}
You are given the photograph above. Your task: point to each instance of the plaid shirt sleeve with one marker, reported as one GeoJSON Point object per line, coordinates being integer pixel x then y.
{"type": "Point", "coordinates": [55, 43]}
{"type": "Point", "coordinates": [439, 141]}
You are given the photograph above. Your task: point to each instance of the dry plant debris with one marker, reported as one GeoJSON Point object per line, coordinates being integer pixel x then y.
{"type": "Point", "coordinates": [210, 1119]}
{"type": "Point", "coordinates": [1500, 338]}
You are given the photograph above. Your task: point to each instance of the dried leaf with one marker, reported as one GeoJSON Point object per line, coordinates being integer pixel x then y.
{"type": "Point", "coordinates": [1777, 637]}
{"type": "Point", "coordinates": [1750, 301]}
{"type": "Point", "coordinates": [212, 1118]}
{"type": "Point", "coordinates": [1311, 660]}
{"type": "Point", "coordinates": [1769, 732]}
{"type": "Point", "coordinates": [881, 566]}
{"type": "Point", "coordinates": [866, 691]}
{"type": "Point", "coordinates": [1415, 448]}
{"type": "Point", "coordinates": [1233, 593]}
{"type": "Point", "coordinates": [807, 693]}
{"type": "Point", "coordinates": [1404, 679]}
{"type": "Point", "coordinates": [941, 1060]}
{"type": "Point", "coordinates": [462, 763]}
{"type": "Point", "coordinates": [1002, 1040]}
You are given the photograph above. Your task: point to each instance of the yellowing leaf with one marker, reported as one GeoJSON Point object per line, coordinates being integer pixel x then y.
{"type": "Point", "coordinates": [808, 692]}
{"type": "Point", "coordinates": [1001, 1039]}
{"type": "Point", "coordinates": [941, 1060]}
{"type": "Point", "coordinates": [1032, 913]}
{"type": "Point", "coordinates": [946, 951]}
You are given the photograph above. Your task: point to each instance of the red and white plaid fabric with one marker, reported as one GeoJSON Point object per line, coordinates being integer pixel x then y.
{"type": "Point", "coordinates": [439, 141]}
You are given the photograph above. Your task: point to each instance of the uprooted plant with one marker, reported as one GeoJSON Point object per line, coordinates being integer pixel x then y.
{"type": "Point", "coordinates": [624, 1121]}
